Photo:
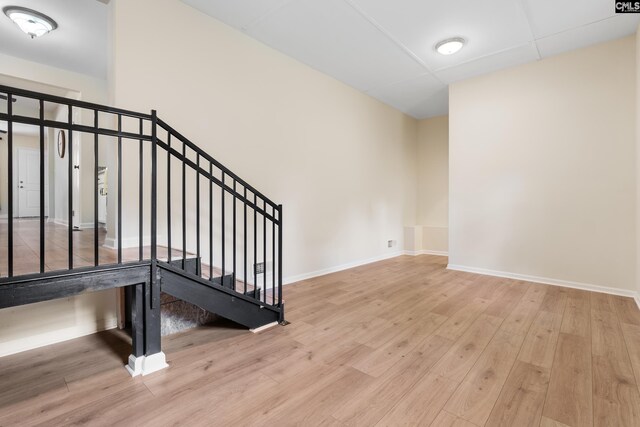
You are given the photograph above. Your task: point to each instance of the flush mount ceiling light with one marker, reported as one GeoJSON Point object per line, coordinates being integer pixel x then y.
{"type": "Point", "coordinates": [450, 46]}
{"type": "Point", "coordinates": [33, 23]}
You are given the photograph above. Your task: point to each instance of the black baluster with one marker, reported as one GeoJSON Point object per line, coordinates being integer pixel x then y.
{"type": "Point", "coordinates": [234, 235]}
{"type": "Point", "coordinates": [184, 206]}
{"type": "Point", "coordinates": [280, 261]}
{"type": "Point", "coordinates": [96, 254]}
{"type": "Point", "coordinates": [120, 189]}
{"type": "Point", "coordinates": [210, 221]}
{"type": "Point", "coordinates": [245, 240]}
{"type": "Point", "coordinates": [169, 198]}
{"type": "Point", "coordinates": [10, 183]}
{"type": "Point", "coordinates": [42, 254]}
{"type": "Point", "coordinates": [273, 255]}
{"type": "Point", "coordinates": [222, 221]}
{"type": "Point", "coordinates": [140, 190]}
{"type": "Point", "coordinates": [264, 250]}
{"type": "Point", "coordinates": [198, 269]}
{"type": "Point", "coordinates": [255, 245]}
{"type": "Point", "coordinates": [70, 187]}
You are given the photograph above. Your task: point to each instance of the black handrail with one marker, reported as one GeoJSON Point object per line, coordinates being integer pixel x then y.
{"type": "Point", "coordinates": [232, 189]}
{"type": "Point", "coordinates": [72, 102]}
{"type": "Point", "coordinates": [217, 164]}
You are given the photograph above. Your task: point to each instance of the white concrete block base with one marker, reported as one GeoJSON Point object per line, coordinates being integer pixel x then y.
{"type": "Point", "coordinates": [135, 365]}
{"type": "Point", "coordinates": [145, 365]}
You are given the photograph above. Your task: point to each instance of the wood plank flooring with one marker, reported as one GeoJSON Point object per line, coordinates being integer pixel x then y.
{"type": "Point", "coordinates": [26, 247]}
{"type": "Point", "coordinates": [402, 342]}
{"type": "Point", "coordinates": [26, 250]}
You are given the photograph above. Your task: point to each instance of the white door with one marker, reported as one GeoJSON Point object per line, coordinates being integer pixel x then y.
{"type": "Point", "coordinates": [28, 182]}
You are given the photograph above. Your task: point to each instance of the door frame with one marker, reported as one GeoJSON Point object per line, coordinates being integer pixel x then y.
{"type": "Point", "coordinates": [75, 220]}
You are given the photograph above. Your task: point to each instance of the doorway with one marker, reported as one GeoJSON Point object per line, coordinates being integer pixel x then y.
{"type": "Point", "coordinates": [102, 196]}
{"type": "Point", "coordinates": [26, 200]}
{"type": "Point", "coordinates": [28, 170]}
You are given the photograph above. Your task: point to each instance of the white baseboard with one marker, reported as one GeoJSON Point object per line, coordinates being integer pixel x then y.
{"type": "Point", "coordinates": [111, 243]}
{"type": "Point", "coordinates": [131, 242]}
{"type": "Point", "coordinates": [292, 279]}
{"type": "Point", "coordinates": [65, 223]}
{"type": "Point", "coordinates": [426, 252]}
{"type": "Point", "coordinates": [59, 221]}
{"type": "Point", "coordinates": [637, 299]}
{"type": "Point", "coordinates": [547, 281]}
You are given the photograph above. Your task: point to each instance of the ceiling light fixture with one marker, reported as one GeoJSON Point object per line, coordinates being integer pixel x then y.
{"type": "Point", "coordinates": [34, 24]}
{"type": "Point", "coordinates": [450, 46]}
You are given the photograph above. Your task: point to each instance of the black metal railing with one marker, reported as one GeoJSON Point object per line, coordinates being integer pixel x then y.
{"type": "Point", "coordinates": [231, 230]}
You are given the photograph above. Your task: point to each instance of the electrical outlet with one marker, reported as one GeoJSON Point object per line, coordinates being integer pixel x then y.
{"type": "Point", "coordinates": [258, 268]}
{"type": "Point", "coordinates": [391, 243]}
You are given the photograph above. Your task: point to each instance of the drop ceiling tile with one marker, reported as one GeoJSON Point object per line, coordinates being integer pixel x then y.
{"type": "Point", "coordinates": [434, 106]}
{"type": "Point", "coordinates": [420, 97]}
{"type": "Point", "coordinates": [552, 16]}
{"type": "Point", "coordinates": [237, 13]}
{"type": "Point", "coordinates": [333, 38]}
{"type": "Point", "coordinates": [609, 29]}
{"type": "Point", "coordinates": [509, 58]}
{"type": "Point", "coordinates": [488, 26]}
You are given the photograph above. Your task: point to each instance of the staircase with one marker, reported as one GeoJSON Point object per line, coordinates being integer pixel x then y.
{"type": "Point", "coordinates": [184, 224]}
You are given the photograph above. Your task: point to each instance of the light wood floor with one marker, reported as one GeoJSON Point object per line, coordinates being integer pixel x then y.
{"type": "Point", "coordinates": [399, 342]}
{"type": "Point", "coordinates": [26, 248]}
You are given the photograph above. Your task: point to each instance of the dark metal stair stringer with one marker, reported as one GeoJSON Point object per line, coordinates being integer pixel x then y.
{"type": "Point", "coordinates": [214, 298]}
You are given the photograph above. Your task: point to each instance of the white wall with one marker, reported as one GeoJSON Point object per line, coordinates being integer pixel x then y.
{"type": "Point", "coordinates": [342, 163]}
{"type": "Point", "coordinates": [31, 326]}
{"type": "Point", "coordinates": [542, 167]}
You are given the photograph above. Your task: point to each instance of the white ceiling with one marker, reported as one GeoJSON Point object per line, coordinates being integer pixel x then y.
{"type": "Point", "coordinates": [79, 44]}
{"type": "Point", "coordinates": [381, 47]}
{"type": "Point", "coordinates": [386, 47]}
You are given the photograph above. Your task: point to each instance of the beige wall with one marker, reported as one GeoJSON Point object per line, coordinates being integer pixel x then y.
{"type": "Point", "coordinates": [342, 163]}
{"type": "Point", "coordinates": [638, 167]}
{"type": "Point", "coordinates": [31, 326]}
{"type": "Point", "coordinates": [542, 169]}
{"type": "Point", "coordinates": [433, 183]}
